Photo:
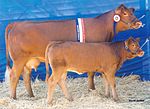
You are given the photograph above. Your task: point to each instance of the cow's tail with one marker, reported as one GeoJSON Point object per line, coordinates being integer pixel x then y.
{"type": "Point", "coordinates": [47, 59]}
{"type": "Point", "coordinates": [8, 28]}
{"type": "Point", "coordinates": [7, 72]}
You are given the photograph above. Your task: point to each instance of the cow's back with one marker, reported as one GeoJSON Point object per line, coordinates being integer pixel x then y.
{"type": "Point", "coordinates": [31, 38]}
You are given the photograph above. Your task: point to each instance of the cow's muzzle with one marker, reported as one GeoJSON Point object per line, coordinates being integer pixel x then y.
{"type": "Point", "coordinates": [136, 25]}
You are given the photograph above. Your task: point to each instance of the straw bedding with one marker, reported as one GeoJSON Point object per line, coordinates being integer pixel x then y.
{"type": "Point", "coordinates": [133, 94]}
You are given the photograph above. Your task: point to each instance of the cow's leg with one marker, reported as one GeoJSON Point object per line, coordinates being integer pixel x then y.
{"type": "Point", "coordinates": [52, 82]}
{"type": "Point", "coordinates": [107, 93]}
{"type": "Point", "coordinates": [27, 81]}
{"type": "Point", "coordinates": [91, 84]}
{"type": "Point", "coordinates": [14, 76]}
{"type": "Point", "coordinates": [63, 85]}
{"type": "Point", "coordinates": [110, 76]}
{"type": "Point", "coordinates": [47, 76]}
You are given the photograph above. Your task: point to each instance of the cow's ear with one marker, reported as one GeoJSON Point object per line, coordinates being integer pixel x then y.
{"type": "Point", "coordinates": [132, 10]}
{"type": "Point", "coordinates": [121, 6]}
{"type": "Point", "coordinates": [120, 9]}
{"type": "Point", "coordinates": [137, 39]}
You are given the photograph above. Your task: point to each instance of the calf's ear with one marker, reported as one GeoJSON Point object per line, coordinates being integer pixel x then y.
{"type": "Point", "coordinates": [130, 38]}
{"type": "Point", "coordinates": [137, 39]}
{"type": "Point", "coordinates": [132, 10]}
{"type": "Point", "coordinates": [127, 42]}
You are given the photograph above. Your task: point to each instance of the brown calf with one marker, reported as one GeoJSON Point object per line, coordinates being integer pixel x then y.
{"type": "Point", "coordinates": [102, 57]}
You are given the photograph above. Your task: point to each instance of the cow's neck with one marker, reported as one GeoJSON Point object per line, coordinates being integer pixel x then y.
{"type": "Point", "coordinates": [101, 28]}
{"type": "Point", "coordinates": [109, 23]}
{"type": "Point", "coordinates": [118, 27]}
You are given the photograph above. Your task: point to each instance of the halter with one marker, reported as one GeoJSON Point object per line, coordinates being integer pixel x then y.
{"type": "Point", "coordinates": [129, 23]}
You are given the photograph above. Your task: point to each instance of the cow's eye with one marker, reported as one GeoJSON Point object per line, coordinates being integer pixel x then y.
{"type": "Point", "coordinates": [125, 14]}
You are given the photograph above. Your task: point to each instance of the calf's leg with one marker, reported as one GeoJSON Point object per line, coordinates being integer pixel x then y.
{"type": "Point", "coordinates": [107, 93]}
{"type": "Point", "coordinates": [51, 86]}
{"type": "Point", "coordinates": [63, 85]}
{"type": "Point", "coordinates": [91, 84]}
{"type": "Point", "coordinates": [52, 82]}
{"type": "Point", "coordinates": [27, 81]}
{"type": "Point", "coordinates": [110, 76]}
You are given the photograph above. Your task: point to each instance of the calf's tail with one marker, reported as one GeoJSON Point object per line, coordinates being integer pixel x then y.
{"type": "Point", "coordinates": [46, 62]}
{"type": "Point", "coordinates": [47, 58]}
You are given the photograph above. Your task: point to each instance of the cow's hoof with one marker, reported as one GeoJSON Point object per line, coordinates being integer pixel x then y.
{"type": "Point", "coordinates": [90, 90]}
{"type": "Point", "coordinates": [32, 96]}
{"type": "Point", "coordinates": [116, 99]}
{"type": "Point", "coordinates": [13, 98]}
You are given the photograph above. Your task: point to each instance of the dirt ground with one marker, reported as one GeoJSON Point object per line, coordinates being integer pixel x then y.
{"type": "Point", "coordinates": [133, 94]}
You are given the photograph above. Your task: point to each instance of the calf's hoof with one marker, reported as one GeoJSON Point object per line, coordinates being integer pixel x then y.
{"type": "Point", "coordinates": [49, 102]}
{"type": "Point", "coordinates": [107, 95]}
{"type": "Point", "coordinates": [116, 99]}
{"type": "Point", "coordinates": [70, 99]}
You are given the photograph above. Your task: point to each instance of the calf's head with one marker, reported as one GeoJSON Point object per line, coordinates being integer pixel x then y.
{"type": "Point", "coordinates": [132, 44]}
{"type": "Point", "coordinates": [127, 18]}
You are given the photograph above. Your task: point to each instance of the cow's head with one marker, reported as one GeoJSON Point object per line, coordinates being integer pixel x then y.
{"type": "Point", "coordinates": [127, 18]}
{"type": "Point", "coordinates": [132, 44]}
